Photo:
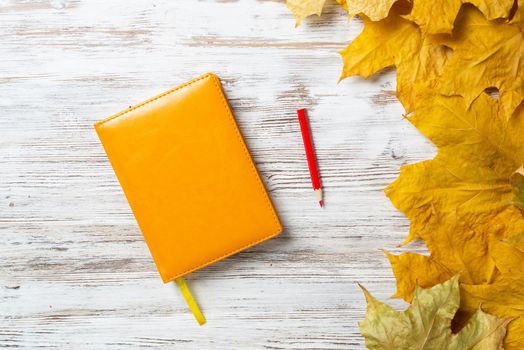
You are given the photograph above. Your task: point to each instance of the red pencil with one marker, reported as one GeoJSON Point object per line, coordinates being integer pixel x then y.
{"type": "Point", "coordinates": [310, 155]}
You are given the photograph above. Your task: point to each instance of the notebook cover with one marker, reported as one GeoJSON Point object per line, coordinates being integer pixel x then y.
{"type": "Point", "coordinates": [188, 177]}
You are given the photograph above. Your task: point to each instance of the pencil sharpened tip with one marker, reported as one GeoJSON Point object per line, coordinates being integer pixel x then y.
{"type": "Point", "coordinates": [321, 203]}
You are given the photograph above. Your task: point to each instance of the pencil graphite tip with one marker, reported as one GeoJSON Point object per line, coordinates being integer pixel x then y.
{"type": "Point", "coordinates": [321, 203]}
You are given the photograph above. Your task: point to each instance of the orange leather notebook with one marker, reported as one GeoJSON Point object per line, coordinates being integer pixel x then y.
{"type": "Point", "coordinates": [189, 178]}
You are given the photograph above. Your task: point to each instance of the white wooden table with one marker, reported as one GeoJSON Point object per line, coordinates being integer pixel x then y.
{"type": "Point", "coordinates": [75, 272]}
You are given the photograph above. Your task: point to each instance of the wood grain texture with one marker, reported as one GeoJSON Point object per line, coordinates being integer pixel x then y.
{"type": "Point", "coordinates": [75, 272]}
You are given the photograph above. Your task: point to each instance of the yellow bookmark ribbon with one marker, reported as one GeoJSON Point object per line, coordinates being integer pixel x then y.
{"type": "Point", "coordinates": [191, 302]}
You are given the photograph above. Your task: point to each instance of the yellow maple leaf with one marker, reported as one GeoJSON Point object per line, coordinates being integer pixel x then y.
{"type": "Point", "coordinates": [304, 8]}
{"type": "Point", "coordinates": [435, 17]}
{"type": "Point", "coordinates": [467, 185]}
{"type": "Point", "coordinates": [455, 247]}
{"type": "Point", "coordinates": [479, 46]}
{"type": "Point", "coordinates": [505, 296]}
{"type": "Point", "coordinates": [374, 10]}
{"type": "Point", "coordinates": [486, 54]}
{"type": "Point", "coordinates": [426, 324]}
{"type": "Point", "coordinates": [462, 200]}
{"type": "Point", "coordinates": [395, 41]}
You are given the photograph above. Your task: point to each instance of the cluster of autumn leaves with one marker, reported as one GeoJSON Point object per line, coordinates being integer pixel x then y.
{"type": "Point", "coordinates": [467, 203]}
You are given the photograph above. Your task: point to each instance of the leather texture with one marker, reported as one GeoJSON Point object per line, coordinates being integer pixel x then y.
{"type": "Point", "coordinates": [189, 178]}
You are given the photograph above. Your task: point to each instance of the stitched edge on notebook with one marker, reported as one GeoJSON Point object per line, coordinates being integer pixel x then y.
{"type": "Point", "coordinates": [246, 154]}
